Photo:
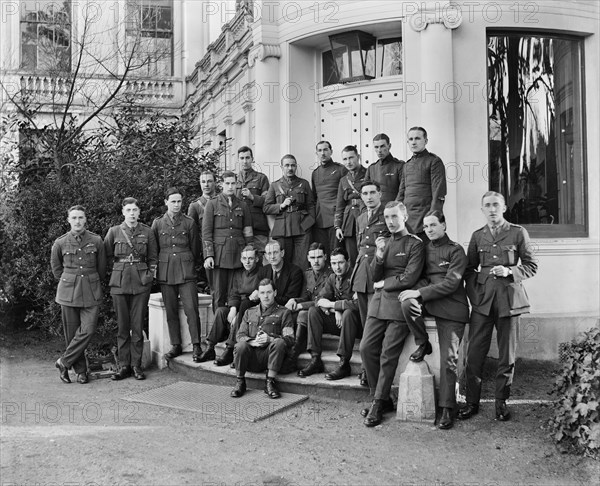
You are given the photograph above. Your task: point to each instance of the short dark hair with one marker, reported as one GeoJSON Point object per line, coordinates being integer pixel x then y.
{"type": "Point", "coordinates": [77, 207]}
{"type": "Point", "coordinates": [350, 148]}
{"type": "Point", "coordinates": [339, 250]}
{"type": "Point", "coordinates": [249, 247]}
{"type": "Point", "coordinates": [370, 182]}
{"type": "Point", "coordinates": [173, 190]}
{"type": "Point", "coordinates": [266, 281]}
{"type": "Point", "coordinates": [288, 156]}
{"type": "Point", "coordinates": [315, 245]}
{"type": "Point", "coordinates": [381, 136]}
{"type": "Point", "coordinates": [229, 173]}
{"type": "Point", "coordinates": [421, 129]}
{"type": "Point", "coordinates": [130, 200]}
{"type": "Point", "coordinates": [245, 148]}
{"type": "Point", "coordinates": [437, 213]}
{"type": "Point", "coordinates": [322, 142]}
{"type": "Point", "coordinates": [495, 194]}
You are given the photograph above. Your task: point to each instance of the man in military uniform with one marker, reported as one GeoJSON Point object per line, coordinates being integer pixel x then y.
{"type": "Point", "coordinates": [387, 170]}
{"type": "Point", "coordinates": [132, 253]}
{"type": "Point", "coordinates": [226, 229]}
{"type": "Point", "coordinates": [314, 279]}
{"type": "Point", "coordinates": [441, 291]}
{"type": "Point", "coordinates": [179, 254]}
{"type": "Point", "coordinates": [196, 212]}
{"type": "Point", "coordinates": [325, 182]}
{"type": "Point", "coordinates": [290, 200]}
{"type": "Point", "coordinates": [370, 225]}
{"type": "Point", "coordinates": [265, 336]}
{"type": "Point", "coordinates": [423, 182]}
{"type": "Point", "coordinates": [349, 203]}
{"type": "Point", "coordinates": [397, 266]}
{"type": "Point", "coordinates": [336, 313]}
{"type": "Point", "coordinates": [78, 262]}
{"type": "Point", "coordinates": [251, 189]}
{"type": "Point", "coordinates": [227, 318]}
{"type": "Point", "coordinates": [500, 257]}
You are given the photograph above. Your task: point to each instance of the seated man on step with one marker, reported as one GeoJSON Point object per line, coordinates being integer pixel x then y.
{"type": "Point", "coordinates": [336, 313]}
{"type": "Point", "coordinates": [266, 335]}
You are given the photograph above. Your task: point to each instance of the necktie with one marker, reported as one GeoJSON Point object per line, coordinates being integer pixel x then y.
{"type": "Point", "coordinates": [494, 231]}
{"type": "Point", "coordinates": [369, 214]}
{"type": "Point", "coordinates": [275, 278]}
{"type": "Point", "coordinates": [230, 202]}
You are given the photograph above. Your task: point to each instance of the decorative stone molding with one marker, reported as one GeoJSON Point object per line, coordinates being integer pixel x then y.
{"type": "Point", "coordinates": [228, 120]}
{"type": "Point", "coordinates": [448, 14]}
{"type": "Point", "coordinates": [262, 51]}
{"type": "Point", "coordinates": [247, 106]}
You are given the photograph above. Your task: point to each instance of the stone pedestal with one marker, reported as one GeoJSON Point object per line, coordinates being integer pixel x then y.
{"type": "Point", "coordinates": [159, 331]}
{"type": "Point", "coordinates": [416, 394]}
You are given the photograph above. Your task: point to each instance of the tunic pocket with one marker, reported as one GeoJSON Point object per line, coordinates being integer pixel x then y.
{"type": "Point", "coordinates": [66, 287]}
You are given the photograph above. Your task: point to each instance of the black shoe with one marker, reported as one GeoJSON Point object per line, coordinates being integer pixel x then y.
{"type": "Point", "coordinates": [82, 378]}
{"type": "Point", "coordinates": [315, 365]}
{"type": "Point", "coordinates": [226, 358]}
{"type": "Point", "coordinates": [468, 411]}
{"type": "Point", "coordinates": [375, 415]}
{"type": "Point", "coordinates": [363, 379]}
{"type": "Point", "coordinates": [174, 352]}
{"type": "Point", "coordinates": [388, 406]}
{"type": "Point", "coordinates": [240, 387]}
{"type": "Point", "coordinates": [271, 388]}
{"type": "Point", "coordinates": [63, 371]}
{"type": "Point", "coordinates": [207, 355]}
{"type": "Point", "coordinates": [196, 353]}
{"type": "Point", "coordinates": [138, 373]}
{"type": "Point", "coordinates": [124, 372]}
{"type": "Point", "coordinates": [502, 411]}
{"type": "Point", "coordinates": [421, 351]}
{"type": "Point", "coordinates": [446, 422]}
{"type": "Point", "coordinates": [342, 371]}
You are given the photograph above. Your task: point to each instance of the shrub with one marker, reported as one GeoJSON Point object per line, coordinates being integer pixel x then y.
{"type": "Point", "coordinates": [576, 422]}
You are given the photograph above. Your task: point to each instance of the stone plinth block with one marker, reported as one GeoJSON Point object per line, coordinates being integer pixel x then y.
{"type": "Point", "coordinates": [159, 331]}
{"type": "Point", "coordinates": [416, 394]}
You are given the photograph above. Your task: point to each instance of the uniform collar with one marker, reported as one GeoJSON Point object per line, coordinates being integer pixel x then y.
{"type": "Point", "coordinates": [329, 163]}
{"type": "Point", "coordinates": [441, 241]}
{"type": "Point", "coordinates": [420, 154]}
{"type": "Point", "coordinates": [75, 235]}
{"type": "Point", "coordinates": [387, 159]}
{"type": "Point", "coordinates": [268, 310]}
{"type": "Point", "coordinates": [400, 234]}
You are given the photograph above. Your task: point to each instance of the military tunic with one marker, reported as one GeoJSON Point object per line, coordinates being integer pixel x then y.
{"type": "Point", "coordinates": [422, 187]}
{"type": "Point", "coordinates": [312, 285]}
{"type": "Point", "coordinates": [338, 290]}
{"type": "Point", "coordinates": [179, 253]}
{"type": "Point", "coordinates": [258, 184]}
{"type": "Point", "coordinates": [348, 207]}
{"type": "Point", "coordinates": [78, 262]}
{"type": "Point", "coordinates": [277, 322]}
{"type": "Point", "coordinates": [325, 182]}
{"type": "Point", "coordinates": [130, 283]}
{"type": "Point", "coordinates": [496, 301]}
{"type": "Point", "coordinates": [387, 173]}
{"type": "Point", "coordinates": [293, 224]}
{"type": "Point", "coordinates": [385, 330]}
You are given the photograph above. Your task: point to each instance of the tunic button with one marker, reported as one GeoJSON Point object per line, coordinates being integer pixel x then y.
{"type": "Point", "coordinates": [174, 254]}
{"type": "Point", "coordinates": [494, 246]}
{"type": "Point", "coordinates": [366, 246]}
{"type": "Point", "coordinates": [494, 256]}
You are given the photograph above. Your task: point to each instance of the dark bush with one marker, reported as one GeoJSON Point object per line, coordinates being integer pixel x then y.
{"type": "Point", "coordinates": [576, 422]}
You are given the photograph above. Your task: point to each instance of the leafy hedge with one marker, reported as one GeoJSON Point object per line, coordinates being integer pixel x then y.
{"type": "Point", "coordinates": [132, 156]}
{"type": "Point", "coordinates": [576, 421]}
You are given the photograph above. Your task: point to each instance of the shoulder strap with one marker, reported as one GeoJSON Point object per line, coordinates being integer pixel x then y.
{"type": "Point", "coordinates": [128, 240]}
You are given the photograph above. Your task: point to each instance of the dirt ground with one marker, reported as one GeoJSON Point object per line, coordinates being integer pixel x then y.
{"type": "Point", "coordinates": [57, 434]}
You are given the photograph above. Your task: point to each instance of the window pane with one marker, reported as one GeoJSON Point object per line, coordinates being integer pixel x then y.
{"type": "Point", "coordinates": [536, 153]}
{"type": "Point", "coordinates": [330, 75]}
{"type": "Point", "coordinates": [391, 57]}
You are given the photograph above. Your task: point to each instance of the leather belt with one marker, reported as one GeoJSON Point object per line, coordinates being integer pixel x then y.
{"type": "Point", "coordinates": [130, 259]}
{"type": "Point", "coordinates": [294, 208]}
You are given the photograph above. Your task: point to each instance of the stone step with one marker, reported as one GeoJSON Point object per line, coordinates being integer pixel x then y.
{"type": "Point", "coordinates": [316, 385]}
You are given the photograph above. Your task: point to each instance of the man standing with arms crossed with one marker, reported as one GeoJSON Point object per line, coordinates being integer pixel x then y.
{"type": "Point", "coordinates": [325, 183]}
{"type": "Point", "coordinates": [500, 257]}
{"type": "Point", "coordinates": [78, 262]}
{"type": "Point", "coordinates": [179, 253]}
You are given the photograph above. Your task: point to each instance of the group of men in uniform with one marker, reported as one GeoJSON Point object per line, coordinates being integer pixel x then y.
{"type": "Point", "coordinates": [378, 256]}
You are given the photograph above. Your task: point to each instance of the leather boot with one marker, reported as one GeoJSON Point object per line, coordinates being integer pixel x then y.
{"type": "Point", "coordinates": [226, 358]}
{"type": "Point", "coordinates": [387, 406]}
{"type": "Point", "coordinates": [138, 373]}
{"type": "Point", "coordinates": [174, 351]}
{"type": "Point", "coordinates": [271, 388]}
{"type": "Point", "coordinates": [208, 355]}
{"type": "Point", "coordinates": [124, 372]}
{"type": "Point", "coordinates": [447, 421]}
{"type": "Point", "coordinates": [342, 371]}
{"type": "Point", "coordinates": [421, 351]}
{"type": "Point", "coordinates": [196, 353]}
{"type": "Point", "coordinates": [502, 410]}
{"type": "Point", "coordinates": [240, 387]}
{"type": "Point", "coordinates": [301, 338]}
{"type": "Point", "coordinates": [468, 411]}
{"type": "Point", "coordinates": [314, 366]}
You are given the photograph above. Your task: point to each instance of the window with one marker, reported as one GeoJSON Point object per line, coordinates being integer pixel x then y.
{"type": "Point", "coordinates": [150, 36]}
{"type": "Point", "coordinates": [387, 61]}
{"type": "Point", "coordinates": [46, 35]}
{"type": "Point", "coordinates": [536, 131]}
